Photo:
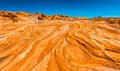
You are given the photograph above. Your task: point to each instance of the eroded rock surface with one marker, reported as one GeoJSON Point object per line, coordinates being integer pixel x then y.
{"type": "Point", "coordinates": [60, 45]}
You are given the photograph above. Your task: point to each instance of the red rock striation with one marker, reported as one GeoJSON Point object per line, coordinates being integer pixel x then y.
{"type": "Point", "coordinates": [59, 45]}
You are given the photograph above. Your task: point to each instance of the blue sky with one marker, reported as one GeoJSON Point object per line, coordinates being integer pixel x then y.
{"type": "Point", "coordinates": [88, 8]}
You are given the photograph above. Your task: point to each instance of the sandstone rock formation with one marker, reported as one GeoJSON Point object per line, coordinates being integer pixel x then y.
{"type": "Point", "coordinates": [108, 19]}
{"type": "Point", "coordinates": [25, 17]}
{"type": "Point", "coordinates": [60, 45]}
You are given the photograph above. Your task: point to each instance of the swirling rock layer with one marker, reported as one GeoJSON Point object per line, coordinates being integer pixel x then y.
{"type": "Point", "coordinates": [60, 46]}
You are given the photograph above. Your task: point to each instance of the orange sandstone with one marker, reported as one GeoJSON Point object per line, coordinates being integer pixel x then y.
{"type": "Point", "coordinates": [60, 45]}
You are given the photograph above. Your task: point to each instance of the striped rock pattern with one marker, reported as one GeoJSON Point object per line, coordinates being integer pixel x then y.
{"type": "Point", "coordinates": [60, 46]}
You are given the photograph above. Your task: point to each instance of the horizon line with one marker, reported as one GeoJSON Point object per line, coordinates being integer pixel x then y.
{"type": "Point", "coordinates": [62, 14]}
